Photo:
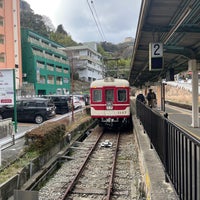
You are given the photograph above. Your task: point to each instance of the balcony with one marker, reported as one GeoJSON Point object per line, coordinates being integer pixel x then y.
{"type": "Point", "coordinates": [58, 69]}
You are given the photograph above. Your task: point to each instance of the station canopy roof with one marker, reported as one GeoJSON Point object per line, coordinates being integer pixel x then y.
{"type": "Point", "coordinates": [175, 24]}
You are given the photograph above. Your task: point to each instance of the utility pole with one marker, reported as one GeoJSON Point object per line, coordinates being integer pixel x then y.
{"type": "Point", "coordinates": [72, 78]}
{"type": "Point", "coordinates": [110, 59]}
{"type": "Point", "coordinates": [70, 56]}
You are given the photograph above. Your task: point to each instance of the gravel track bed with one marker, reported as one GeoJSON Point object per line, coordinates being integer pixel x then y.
{"type": "Point", "coordinates": [94, 180]}
{"type": "Point", "coordinates": [95, 177]}
{"type": "Point", "coordinates": [127, 175]}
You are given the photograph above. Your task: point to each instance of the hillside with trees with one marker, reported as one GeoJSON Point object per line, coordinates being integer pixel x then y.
{"type": "Point", "coordinates": [117, 57]}
{"type": "Point", "coordinates": [43, 26]}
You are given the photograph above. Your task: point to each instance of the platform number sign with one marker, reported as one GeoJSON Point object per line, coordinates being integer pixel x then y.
{"type": "Point", "coordinates": [155, 56]}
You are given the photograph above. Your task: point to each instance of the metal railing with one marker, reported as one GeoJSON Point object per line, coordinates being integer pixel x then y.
{"type": "Point", "coordinates": [178, 151]}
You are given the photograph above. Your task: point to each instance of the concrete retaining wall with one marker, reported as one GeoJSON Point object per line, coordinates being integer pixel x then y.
{"type": "Point", "coordinates": [17, 181]}
{"type": "Point", "coordinates": [6, 190]}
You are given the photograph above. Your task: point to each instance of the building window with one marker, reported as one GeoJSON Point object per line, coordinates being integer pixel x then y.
{"type": "Point", "coordinates": [1, 3]}
{"type": "Point", "coordinates": [45, 42]}
{"type": "Point", "coordinates": [2, 39]}
{"type": "Point", "coordinates": [54, 46]}
{"type": "Point", "coordinates": [66, 71]}
{"type": "Point", "coordinates": [42, 79]}
{"type": "Point", "coordinates": [40, 65]}
{"type": "Point", "coordinates": [2, 57]}
{"type": "Point", "coordinates": [58, 68]}
{"type": "Point", "coordinates": [37, 51]}
{"type": "Point", "coordinates": [50, 67]}
{"type": "Point", "coordinates": [50, 80]}
{"type": "Point", "coordinates": [56, 56]}
{"type": "Point", "coordinates": [1, 21]}
{"type": "Point", "coordinates": [34, 37]}
{"type": "Point", "coordinates": [58, 80]}
{"type": "Point", "coordinates": [65, 80]}
{"type": "Point", "coordinates": [48, 53]}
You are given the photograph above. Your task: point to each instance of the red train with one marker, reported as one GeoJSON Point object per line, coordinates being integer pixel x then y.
{"type": "Point", "coordinates": [110, 102]}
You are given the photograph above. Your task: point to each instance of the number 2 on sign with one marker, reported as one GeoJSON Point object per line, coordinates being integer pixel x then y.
{"type": "Point", "coordinates": [157, 50]}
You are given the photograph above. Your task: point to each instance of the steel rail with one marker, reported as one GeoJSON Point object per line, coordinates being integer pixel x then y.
{"type": "Point", "coordinates": [71, 185]}
{"type": "Point", "coordinates": [110, 186]}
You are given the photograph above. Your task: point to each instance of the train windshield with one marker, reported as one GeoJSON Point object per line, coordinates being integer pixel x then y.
{"type": "Point", "coordinates": [97, 95]}
{"type": "Point", "coordinates": [122, 95]}
{"type": "Point", "coordinates": [109, 94]}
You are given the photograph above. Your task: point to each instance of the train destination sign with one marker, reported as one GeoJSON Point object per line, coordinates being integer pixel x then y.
{"type": "Point", "coordinates": [155, 56]}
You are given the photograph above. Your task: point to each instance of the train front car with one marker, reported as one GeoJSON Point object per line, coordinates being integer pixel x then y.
{"type": "Point", "coordinates": [110, 102]}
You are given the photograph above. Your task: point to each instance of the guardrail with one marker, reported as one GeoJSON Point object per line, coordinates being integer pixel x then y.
{"type": "Point", "coordinates": [178, 150]}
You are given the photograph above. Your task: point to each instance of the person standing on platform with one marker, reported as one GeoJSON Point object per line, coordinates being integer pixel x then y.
{"type": "Point", "coordinates": [151, 98]}
{"type": "Point", "coordinates": [140, 97]}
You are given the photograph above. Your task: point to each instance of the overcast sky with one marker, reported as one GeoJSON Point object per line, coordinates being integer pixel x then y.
{"type": "Point", "coordinates": [117, 19]}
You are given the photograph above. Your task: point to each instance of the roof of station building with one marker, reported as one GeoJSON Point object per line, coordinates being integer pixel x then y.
{"type": "Point", "coordinates": [176, 25]}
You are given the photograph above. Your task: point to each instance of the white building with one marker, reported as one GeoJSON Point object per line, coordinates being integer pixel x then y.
{"type": "Point", "coordinates": [86, 61]}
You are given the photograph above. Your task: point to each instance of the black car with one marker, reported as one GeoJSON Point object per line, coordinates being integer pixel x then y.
{"type": "Point", "coordinates": [30, 110]}
{"type": "Point", "coordinates": [61, 102]}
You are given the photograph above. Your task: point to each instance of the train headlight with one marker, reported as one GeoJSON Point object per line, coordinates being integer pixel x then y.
{"type": "Point", "coordinates": [109, 106]}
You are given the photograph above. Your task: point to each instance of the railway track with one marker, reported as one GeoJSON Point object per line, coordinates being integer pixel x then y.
{"type": "Point", "coordinates": [104, 166]}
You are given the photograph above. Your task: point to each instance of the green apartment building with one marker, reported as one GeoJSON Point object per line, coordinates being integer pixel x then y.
{"type": "Point", "coordinates": [45, 66]}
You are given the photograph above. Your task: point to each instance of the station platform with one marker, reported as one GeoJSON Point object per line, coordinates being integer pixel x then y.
{"type": "Point", "coordinates": [154, 177]}
{"type": "Point", "coordinates": [183, 118]}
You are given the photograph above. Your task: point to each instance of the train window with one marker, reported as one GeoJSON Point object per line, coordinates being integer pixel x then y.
{"type": "Point", "coordinates": [97, 95]}
{"type": "Point", "coordinates": [109, 94]}
{"type": "Point", "coordinates": [122, 95]}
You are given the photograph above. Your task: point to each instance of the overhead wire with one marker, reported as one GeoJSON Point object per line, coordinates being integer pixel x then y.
{"type": "Point", "coordinates": [97, 17]}
{"type": "Point", "coordinates": [96, 22]}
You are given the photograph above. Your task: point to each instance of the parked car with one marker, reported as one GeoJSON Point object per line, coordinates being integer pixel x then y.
{"type": "Point", "coordinates": [60, 101]}
{"type": "Point", "coordinates": [30, 110]}
{"type": "Point", "coordinates": [181, 80]}
{"type": "Point", "coordinates": [76, 102]}
{"type": "Point", "coordinates": [81, 99]}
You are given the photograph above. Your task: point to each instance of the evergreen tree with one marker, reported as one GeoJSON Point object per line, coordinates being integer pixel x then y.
{"type": "Point", "coordinates": [32, 21]}
{"type": "Point", "coordinates": [60, 36]}
{"type": "Point", "coordinates": [61, 30]}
